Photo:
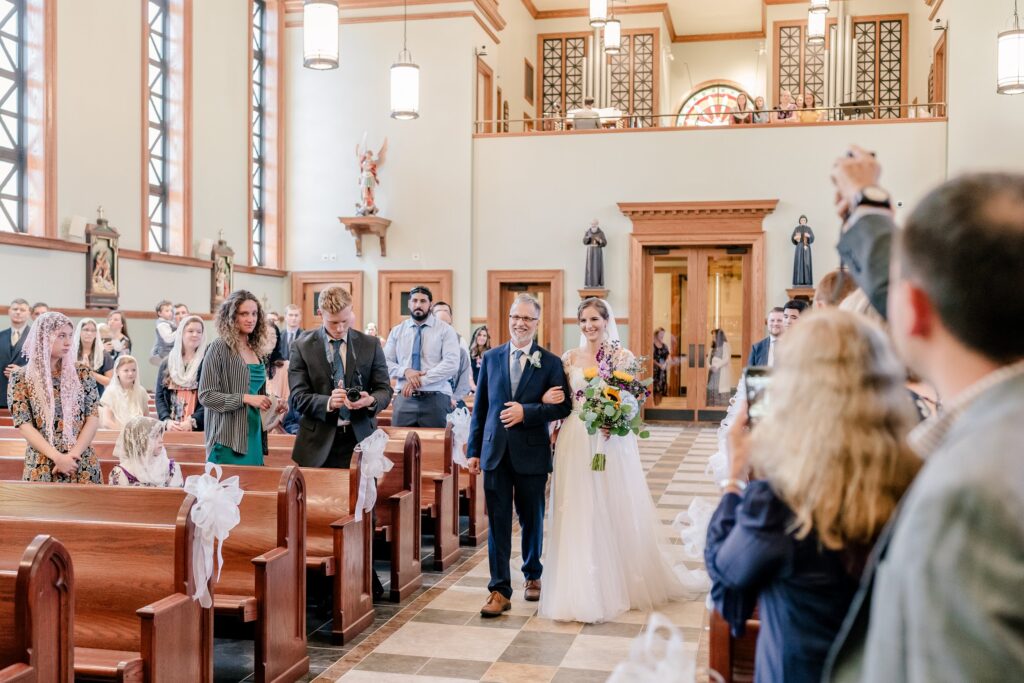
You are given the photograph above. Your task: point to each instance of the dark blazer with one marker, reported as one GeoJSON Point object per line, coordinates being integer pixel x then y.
{"type": "Point", "coordinates": [309, 377]}
{"type": "Point", "coordinates": [803, 589]}
{"type": "Point", "coordinates": [10, 355]}
{"type": "Point", "coordinates": [528, 443]}
{"type": "Point", "coordinates": [283, 347]}
{"type": "Point", "coordinates": [165, 397]}
{"type": "Point", "coordinates": [759, 353]}
{"type": "Point", "coordinates": [865, 249]}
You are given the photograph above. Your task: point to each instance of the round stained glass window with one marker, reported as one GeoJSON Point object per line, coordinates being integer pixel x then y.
{"type": "Point", "coordinates": [709, 106]}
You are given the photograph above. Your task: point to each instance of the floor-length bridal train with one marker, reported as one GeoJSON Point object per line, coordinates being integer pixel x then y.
{"type": "Point", "coordinates": [602, 555]}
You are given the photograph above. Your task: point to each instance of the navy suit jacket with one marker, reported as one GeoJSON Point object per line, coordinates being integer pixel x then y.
{"type": "Point", "coordinates": [528, 443]}
{"type": "Point", "coordinates": [10, 355]}
{"type": "Point", "coordinates": [759, 353]}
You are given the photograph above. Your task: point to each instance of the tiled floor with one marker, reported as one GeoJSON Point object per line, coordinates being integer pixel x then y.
{"type": "Point", "coordinates": [438, 636]}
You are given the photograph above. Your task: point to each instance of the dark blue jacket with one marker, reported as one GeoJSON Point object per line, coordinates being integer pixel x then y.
{"type": "Point", "coordinates": [528, 443]}
{"type": "Point", "coordinates": [804, 590]}
{"type": "Point", "coordinates": [759, 353]}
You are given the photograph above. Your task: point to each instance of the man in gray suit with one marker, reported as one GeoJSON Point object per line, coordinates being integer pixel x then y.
{"type": "Point", "coordinates": [323, 364]}
{"type": "Point", "coordinates": [943, 595]}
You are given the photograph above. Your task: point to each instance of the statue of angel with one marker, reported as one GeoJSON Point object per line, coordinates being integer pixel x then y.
{"type": "Point", "coordinates": [368, 181]}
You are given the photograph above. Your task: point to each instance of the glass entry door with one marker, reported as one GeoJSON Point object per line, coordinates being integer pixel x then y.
{"type": "Point", "coordinates": [700, 303]}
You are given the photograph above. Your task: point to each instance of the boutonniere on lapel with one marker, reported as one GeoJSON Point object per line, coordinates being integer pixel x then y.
{"type": "Point", "coordinates": [534, 359]}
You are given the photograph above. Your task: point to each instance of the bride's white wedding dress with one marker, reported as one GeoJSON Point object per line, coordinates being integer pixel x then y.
{"type": "Point", "coordinates": [601, 555]}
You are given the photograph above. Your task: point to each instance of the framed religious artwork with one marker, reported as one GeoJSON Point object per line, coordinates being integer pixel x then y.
{"type": "Point", "coordinates": [528, 84]}
{"type": "Point", "coordinates": [102, 270]}
{"type": "Point", "coordinates": [222, 273]}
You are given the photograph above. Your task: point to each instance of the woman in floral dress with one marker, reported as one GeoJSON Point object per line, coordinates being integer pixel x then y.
{"type": "Point", "coordinates": [54, 403]}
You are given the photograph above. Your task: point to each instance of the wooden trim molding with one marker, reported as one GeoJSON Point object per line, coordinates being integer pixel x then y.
{"type": "Point", "coordinates": [259, 270]}
{"type": "Point", "coordinates": [935, 10]}
{"type": "Point", "coordinates": [18, 239]}
{"type": "Point", "coordinates": [531, 8]}
{"type": "Point", "coordinates": [380, 18]}
{"type": "Point", "coordinates": [486, 13]}
{"type": "Point", "coordinates": [554, 278]}
{"type": "Point", "coordinates": [96, 312]}
{"type": "Point", "coordinates": [646, 216]}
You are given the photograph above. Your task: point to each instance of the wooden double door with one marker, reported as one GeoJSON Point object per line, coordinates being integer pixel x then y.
{"type": "Point", "coordinates": [503, 286]}
{"type": "Point", "coordinates": [701, 312]}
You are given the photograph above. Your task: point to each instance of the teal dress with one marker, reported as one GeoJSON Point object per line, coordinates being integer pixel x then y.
{"type": "Point", "coordinates": [253, 455]}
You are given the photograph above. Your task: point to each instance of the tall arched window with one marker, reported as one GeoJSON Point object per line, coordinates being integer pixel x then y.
{"type": "Point", "coordinates": [709, 105]}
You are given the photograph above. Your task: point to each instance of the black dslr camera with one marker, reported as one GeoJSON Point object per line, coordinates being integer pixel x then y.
{"type": "Point", "coordinates": [354, 392]}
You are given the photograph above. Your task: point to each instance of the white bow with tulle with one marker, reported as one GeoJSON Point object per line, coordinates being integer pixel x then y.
{"type": "Point", "coordinates": [372, 466]}
{"type": "Point", "coordinates": [658, 655]}
{"type": "Point", "coordinates": [459, 420]}
{"type": "Point", "coordinates": [215, 514]}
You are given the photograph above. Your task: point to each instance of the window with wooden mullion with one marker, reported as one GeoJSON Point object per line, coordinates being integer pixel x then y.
{"type": "Point", "coordinates": [258, 253]}
{"type": "Point", "coordinates": [12, 119]}
{"type": "Point", "coordinates": [159, 238]}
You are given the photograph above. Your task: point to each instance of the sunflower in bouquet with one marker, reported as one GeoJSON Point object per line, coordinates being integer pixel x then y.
{"type": "Point", "coordinates": [613, 396]}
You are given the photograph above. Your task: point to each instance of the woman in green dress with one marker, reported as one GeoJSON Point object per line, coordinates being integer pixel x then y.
{"type": "Point", "coordinates": [232, 385]}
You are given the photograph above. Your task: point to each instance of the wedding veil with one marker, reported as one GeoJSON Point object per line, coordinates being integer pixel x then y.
{"type": "Point", "coordinates": [612, 330]}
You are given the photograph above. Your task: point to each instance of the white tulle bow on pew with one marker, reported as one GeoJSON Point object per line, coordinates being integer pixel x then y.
{"type": "Point", "coordinates": [658, 655]}
{"type": "Point", "coordinates": [459, 420]}
{"type": "Point", "coordinates": [373, 464]}
{"type": "Point", "coordinates": [215, 514]}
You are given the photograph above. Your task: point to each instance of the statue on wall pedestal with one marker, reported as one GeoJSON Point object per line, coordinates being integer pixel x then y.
{"type": "Point", "coordinates": [102, 270]}
{"type": "Point", "coordinates": [803, 238]}
{"type": "Point", "coordinates": [222, 272]}
{"type": "Point", "coordinates": [368, 180]}
{"type": "Point", "coordinates": [596, 242]}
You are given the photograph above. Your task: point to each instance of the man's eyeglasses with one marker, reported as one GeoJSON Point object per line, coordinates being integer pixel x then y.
{"type": "Point", "coordinates": [522, 319]}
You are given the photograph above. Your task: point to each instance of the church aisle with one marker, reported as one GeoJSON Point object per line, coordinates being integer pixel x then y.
{"type": "Point", "coordinates": [439, 635]}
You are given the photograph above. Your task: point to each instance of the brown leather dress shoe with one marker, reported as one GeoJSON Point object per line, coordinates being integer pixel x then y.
{"type": "Point", "coordinates": [496, 604]}
{"type": "Point", "coordinates": [532, 592]}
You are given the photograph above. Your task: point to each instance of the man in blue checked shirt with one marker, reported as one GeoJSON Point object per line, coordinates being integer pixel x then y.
{"type": "Point", "coordinates": [422, 354]}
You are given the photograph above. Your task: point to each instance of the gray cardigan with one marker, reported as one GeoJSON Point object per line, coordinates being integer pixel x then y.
{"type": "Point", "coordinates": [225, 379]}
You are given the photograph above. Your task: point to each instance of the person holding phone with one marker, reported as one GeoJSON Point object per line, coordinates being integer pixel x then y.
{"type": "Point", "coordinates": [831, 462]}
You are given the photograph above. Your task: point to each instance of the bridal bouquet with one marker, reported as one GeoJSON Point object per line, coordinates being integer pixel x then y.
{"type": "Point", "coordinates": [613, 396]}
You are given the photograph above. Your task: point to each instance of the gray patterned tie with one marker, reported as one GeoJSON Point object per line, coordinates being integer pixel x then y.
{"type": "Point", "coordinates": [517, 369]}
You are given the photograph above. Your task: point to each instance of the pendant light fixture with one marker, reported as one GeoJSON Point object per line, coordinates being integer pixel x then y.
{"type": "Point", "coordinates": [815, 27]}
{"type": "Point", "coordinates": [405, 79]}
{"type": "Point", "coordinates": [612, 33]}
{"type": "Point", "coordinates": [598, 13]}
{"type": "Point", "coordinates": [1010, 71]}
{"type": "Point", "coordinates": [819, 6]}
{"type": "Point", "coordinates": [320, 34]}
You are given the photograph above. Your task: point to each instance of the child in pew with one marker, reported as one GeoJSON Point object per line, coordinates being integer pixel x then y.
{"type": "Point", "coordinates": [142, 457]}
{"type": "Point", "coordinates": [54, 403]}
{"type": "Point", "coordinates": [124, 398]}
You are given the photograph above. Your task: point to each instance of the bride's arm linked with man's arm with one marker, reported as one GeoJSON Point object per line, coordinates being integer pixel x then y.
{"type": "Point", "coordinates": [541, 413]}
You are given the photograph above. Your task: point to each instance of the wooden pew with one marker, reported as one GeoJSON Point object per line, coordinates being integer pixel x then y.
{"type": "Point", "coordinates": [733, 658]}
{"type": "Point", "coordinates": [134, 618]}
{"type": "Point", "coordinates": [263, 578]}
{"type": "Point", "coordinates": [336, 545]}
{"type": "Point", "coordinates": [36, 602]}
{"type": "Point", "coordinates": [440, 493]}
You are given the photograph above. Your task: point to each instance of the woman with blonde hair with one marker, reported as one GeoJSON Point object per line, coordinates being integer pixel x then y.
{"type": "Point", "coordinates": [141, 457]}
{"type": "Point", "coordinates": [177, 381]}
{"type": "Point", "coordinates": [88, 349]}
{"type": "Point", "coordinates": [831, 461]}
{"type": "Point", "coordinates": [124, 397]}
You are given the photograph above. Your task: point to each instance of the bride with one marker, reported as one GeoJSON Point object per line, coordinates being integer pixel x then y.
{"type": "Point", "coordinates": [602, 554]}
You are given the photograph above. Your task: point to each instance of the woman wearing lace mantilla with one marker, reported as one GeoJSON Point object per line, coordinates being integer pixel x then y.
{"type": "Point", "coordinates": [602, 555]}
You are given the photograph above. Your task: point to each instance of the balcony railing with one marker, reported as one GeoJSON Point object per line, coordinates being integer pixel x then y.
{"type": "Point", "coordinates": [604, 122]}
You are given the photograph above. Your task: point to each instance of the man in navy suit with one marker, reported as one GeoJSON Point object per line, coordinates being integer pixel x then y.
{"type": "Point", "coordinates": [509, 439]}
{"type": "Point", "coordinates": [12, 341]}
{"type": "Point", "coordinates": [762, 353]}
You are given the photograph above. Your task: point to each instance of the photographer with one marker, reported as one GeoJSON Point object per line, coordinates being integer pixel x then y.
{"type": "Point", "coordinates": [339, 382]}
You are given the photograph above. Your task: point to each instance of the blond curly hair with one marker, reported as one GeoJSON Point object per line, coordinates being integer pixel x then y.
{"type": "Point", "coordinates": [833, 444]}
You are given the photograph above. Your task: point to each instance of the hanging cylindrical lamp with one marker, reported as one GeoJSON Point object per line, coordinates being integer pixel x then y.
{"type": "Point", "coordinates": [819, 6]}
{"type": "Point", "coordinates": [815, 27]}
{"type": "Point", "coordinates": [1010, 70]}
{"type": "Point", "coordinates": [598, 13]}
{"type": "Point", "coordinates": [320, 34]}
{"type": "Point", "coordinates": [612, 36]}
{"type": "Point", "coordinates": [405, 79]}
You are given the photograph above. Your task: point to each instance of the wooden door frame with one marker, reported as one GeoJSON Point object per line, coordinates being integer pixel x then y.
{"type": "Point", "coordinates": [355, 277]}
{"type": "Point", "coordinates": [940, 56]}
{"type": "Point", "coordinates": [386, 278]}
{"type": "Point", "coordinates": [693, 224]}
{"type": "Point", "coordinates": [553, 278]}
{"type": "Point", "coordinates": [482, 69]}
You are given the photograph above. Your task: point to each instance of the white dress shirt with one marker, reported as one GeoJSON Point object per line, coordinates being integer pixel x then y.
{"type": "Point", "coordinates": [439, 354]}
{"type": "Point", "coordinates": [771, 350]}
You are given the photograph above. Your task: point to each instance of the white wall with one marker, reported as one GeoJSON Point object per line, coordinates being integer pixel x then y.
{"type": "Point", "coordinates": [731, 60]}
{"type": "Point", "coordinates": [518, 43]}
{"type": "Point", "coordinates": [426, 178]}
{"type": "Point", "coordinates": [985, 129]}
{"type": "Point", "coordinates": [531, 210]}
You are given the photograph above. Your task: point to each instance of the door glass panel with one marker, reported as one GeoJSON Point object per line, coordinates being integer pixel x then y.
{"type": "Point", "coordinates": [723, 327]}
{"type": "Point", "coordinates": [669, 341]}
